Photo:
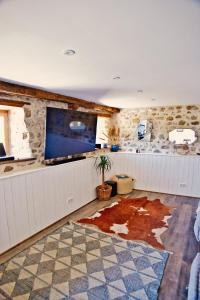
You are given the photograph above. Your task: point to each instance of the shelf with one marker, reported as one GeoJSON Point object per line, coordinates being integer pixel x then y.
{"type": "Point", "coordinates": [17, 160]}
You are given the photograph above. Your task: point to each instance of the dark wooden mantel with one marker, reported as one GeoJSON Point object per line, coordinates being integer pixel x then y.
{"type": "Point", "coordinates": [16, 89]}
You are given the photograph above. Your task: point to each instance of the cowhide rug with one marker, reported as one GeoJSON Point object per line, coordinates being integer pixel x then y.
{"type": "Point", "coordinates": [133, 219]}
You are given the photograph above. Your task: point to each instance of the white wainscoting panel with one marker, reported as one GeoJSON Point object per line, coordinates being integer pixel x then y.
{"type": "Point", "coordinates": [4, 233]}
{"type": "Point", "coordinates": [32, 200]}
{"type": "Point", "coordinates": [173, 174]}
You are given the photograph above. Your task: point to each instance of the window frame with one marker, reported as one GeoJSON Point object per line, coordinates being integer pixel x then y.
{"type": "Point", "coordinates": [5, 115]}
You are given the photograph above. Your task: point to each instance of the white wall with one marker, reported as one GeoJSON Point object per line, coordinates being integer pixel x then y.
{"type": "Point", "coordinates": [32, 200]}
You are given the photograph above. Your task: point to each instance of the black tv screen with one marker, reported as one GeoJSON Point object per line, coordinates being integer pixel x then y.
{"type": "Point", "coordinates": [69, 132]}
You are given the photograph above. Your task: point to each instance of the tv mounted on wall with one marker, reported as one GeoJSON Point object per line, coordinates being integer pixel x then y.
{"type": "Point", "coordinates": [69, 132]}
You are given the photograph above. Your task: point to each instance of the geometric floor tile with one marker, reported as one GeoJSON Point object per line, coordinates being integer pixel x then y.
{"type": "Point", "coordinates": [76, 262]}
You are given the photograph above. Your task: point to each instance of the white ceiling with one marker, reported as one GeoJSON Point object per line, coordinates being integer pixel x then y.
{"type": "Point", "coordinates": [153, 45]}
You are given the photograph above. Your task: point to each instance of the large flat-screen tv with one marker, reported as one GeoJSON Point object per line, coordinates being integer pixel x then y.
{"type": "Point", "coordinates": [69, 132]}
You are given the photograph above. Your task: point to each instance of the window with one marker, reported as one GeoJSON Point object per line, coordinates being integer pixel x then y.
{"type": "Point", "coordinates": [101, 132]}
{"type": "Point", "coordinates": [4, 129]}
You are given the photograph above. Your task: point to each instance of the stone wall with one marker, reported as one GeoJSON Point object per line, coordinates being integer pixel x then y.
{"type": "Point", "coordinates": [19, 142]}
{"type": "Point", "coordinates": [163, 119]}
{"type": "Point", "coordinates": [30, 126]}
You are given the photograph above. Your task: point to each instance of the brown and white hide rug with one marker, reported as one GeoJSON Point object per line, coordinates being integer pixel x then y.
{"type": "Point", "coordinates": [134, 219]}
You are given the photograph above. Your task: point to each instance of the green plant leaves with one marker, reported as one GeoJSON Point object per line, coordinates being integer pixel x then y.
{"type": "Point", "coordinates": [103, 163]}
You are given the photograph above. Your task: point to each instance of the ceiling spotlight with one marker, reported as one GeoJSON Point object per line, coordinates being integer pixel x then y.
{"type": "Point", "coordinates": [69, 52]}
{"type": "Point", "coordinates": [116, 78]}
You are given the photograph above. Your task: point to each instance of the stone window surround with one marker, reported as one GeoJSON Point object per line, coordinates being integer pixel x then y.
{"type": "Point", "coordinates": [4, 115]}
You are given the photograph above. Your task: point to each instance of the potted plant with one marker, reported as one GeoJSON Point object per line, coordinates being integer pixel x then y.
{"type": "Point", "coordinates": [113, 136]}
{"type": "Point", "coordinates": [102, 165]}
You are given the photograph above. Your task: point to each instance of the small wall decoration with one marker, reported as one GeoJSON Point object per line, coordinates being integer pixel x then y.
{"type": "Point", "coordinates": [144, 130]}
{"type": "Point", "coordinates": [182, 136]}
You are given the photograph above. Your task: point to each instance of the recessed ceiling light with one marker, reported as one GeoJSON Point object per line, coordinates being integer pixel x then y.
{"type": "Point", "coordinates": [69, 52]}
{"type": "Point", "coordinates": [116, 78]}
{"type": "Point", "coordinates": [139, 91]}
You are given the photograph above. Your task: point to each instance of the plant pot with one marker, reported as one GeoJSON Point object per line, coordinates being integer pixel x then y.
{"type": "Point", "coordinates": [104, 192]}
{"type": "Point", "coordinates": [114, 148]}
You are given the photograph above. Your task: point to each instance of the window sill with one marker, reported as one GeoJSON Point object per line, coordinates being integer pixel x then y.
{"type": "Point", "coordinates": [17, 160]}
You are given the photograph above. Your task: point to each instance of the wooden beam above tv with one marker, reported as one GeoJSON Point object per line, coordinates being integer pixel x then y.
{"type": "Point", "coordinates": [16, 89]}
{"type": "Point", "coordinates": [98, 113]}
{"type": "Point", "coordinates": [13, 103]}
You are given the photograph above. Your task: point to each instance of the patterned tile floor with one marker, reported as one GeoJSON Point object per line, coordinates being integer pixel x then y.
{"type": "Point", "coordinates": [78, 263]}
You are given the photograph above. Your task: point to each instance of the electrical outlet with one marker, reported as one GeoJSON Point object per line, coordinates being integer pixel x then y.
{"type": "Point", "coordinates": [183, 184]}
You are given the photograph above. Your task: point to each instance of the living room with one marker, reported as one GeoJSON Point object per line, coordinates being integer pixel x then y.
{"type": "Point", "coordinates": [99, 149]}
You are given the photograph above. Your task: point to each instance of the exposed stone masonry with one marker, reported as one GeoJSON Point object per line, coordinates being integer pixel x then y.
{"type": "Point", "coordinates": [163, 119]}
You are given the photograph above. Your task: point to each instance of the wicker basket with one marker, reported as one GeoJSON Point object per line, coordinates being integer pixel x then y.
{"type": "Point", "coordinates": [104, 192]}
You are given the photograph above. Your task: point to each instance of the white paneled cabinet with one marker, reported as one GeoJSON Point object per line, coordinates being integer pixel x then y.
{"type": "Point", "coordinates": [31, 201]}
